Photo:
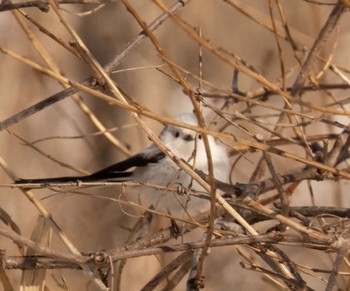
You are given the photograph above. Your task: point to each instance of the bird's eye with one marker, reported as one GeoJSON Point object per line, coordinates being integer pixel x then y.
{"type": "Point", "coordinates": [199, 136]}
{"type": "Point", "coordinates": [177, 134]}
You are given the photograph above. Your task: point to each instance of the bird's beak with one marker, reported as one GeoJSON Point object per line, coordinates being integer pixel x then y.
{"type": "Point", "coordinates": [188, 137]}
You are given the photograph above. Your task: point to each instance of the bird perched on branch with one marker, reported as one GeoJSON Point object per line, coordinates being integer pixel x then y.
{"type": "Point", "coordinates": [152, 166]}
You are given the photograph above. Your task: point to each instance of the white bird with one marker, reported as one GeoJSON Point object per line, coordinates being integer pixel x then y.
{"type": "Point", "coordinates": [152, 166]}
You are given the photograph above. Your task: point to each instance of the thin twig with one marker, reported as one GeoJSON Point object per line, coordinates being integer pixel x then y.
{"type": "Point", "coordinates": [321, 39]}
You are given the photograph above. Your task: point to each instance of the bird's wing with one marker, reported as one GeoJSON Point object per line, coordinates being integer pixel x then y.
{"type": "Point", "coordinates": [142, 159]}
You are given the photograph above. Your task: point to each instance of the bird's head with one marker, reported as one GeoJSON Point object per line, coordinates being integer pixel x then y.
{"type": "Point", "coordinates": [184, 142]}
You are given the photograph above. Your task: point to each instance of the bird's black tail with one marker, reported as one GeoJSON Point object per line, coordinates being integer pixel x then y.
{"type": "Point", "coordinates": [96, 177]}
{"type": "Point", "coordinates": [118, 172]}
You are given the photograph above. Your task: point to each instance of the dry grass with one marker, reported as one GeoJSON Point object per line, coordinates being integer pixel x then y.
{"type": "Point", "coordinates": [85, 84]}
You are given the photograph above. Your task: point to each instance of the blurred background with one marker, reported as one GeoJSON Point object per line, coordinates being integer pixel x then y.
{"type": "Point", "coordinates": [64, 132]}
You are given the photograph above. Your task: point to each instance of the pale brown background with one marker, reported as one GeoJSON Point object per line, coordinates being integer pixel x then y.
{"type": "Point", "coordinates": [94, 224]}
